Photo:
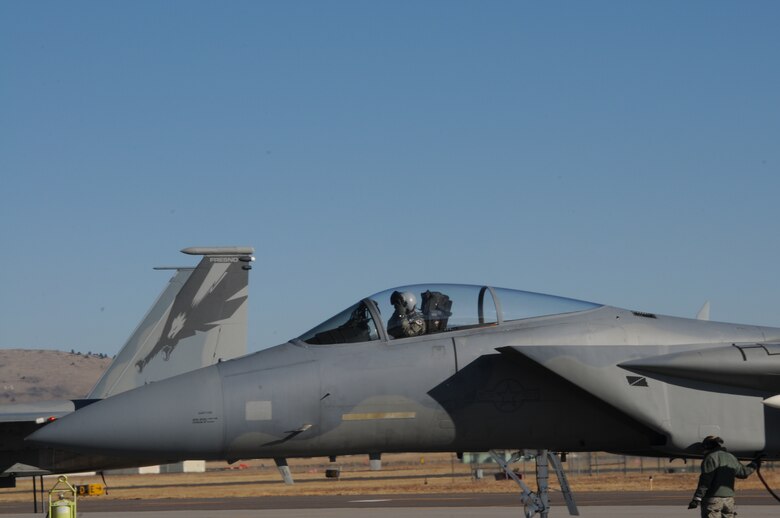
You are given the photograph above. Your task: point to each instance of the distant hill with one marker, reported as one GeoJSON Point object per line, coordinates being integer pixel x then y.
{"type": "Point", "coordinates": [28, 375]}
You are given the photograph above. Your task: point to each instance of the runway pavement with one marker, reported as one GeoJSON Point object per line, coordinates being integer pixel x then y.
{"type": "Point", "coordinates": [596, 504]}
{"type": "Point", "coordinates": [417, 512]}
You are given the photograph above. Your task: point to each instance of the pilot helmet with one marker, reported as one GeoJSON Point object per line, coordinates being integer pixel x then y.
{"type": "Point", "coordinates": [406, 299]}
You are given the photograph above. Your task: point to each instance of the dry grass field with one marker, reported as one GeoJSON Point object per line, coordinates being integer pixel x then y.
{"type": "Point", "coordinates": [28, 375]}
{"type": "Point", "coordinates": [402, 474]}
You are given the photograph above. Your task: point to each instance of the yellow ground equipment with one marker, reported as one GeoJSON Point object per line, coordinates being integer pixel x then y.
{"type": "Point", "coordinates": [62, 499]}
{"type": "Point", "coordinates": [91, 489]}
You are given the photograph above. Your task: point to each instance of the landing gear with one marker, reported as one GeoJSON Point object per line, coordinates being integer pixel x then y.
{"type": "Point", "coordinates": [539, 501]}
{"type": "Point", "coordinates": [375, 461]}
{"type": "Point", "coordinates": [284, 470]}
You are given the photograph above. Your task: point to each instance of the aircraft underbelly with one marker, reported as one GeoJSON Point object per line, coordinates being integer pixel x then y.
{"type": "Point", "coordinates": [498, 403]}
{"type": "Point", "coordinates": [682, 410]}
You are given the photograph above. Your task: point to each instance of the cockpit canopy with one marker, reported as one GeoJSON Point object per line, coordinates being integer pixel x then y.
{"type": "Point", "coordinates": [438, 308]}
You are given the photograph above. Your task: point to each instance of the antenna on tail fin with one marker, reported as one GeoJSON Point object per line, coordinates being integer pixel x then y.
{"type": "Point", "coordinates": [704, 312]}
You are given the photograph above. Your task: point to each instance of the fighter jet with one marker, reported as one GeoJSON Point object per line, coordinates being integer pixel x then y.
{"type": "Point", "coordinates": [198, 320]}
{"type": "Point", "coordinates": [428, 368]}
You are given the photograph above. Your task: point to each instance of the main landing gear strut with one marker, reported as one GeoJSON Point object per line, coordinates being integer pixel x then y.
{"type": "Point", "coordinates": [539, 501]}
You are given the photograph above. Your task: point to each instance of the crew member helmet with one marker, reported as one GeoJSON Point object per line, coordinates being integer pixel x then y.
{"type": "Point", "coordinates": [406, 299]}
{"type": "Point", "coordinates": [712, 442]}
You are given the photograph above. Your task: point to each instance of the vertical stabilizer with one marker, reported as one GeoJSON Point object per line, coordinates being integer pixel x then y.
{"type": "Point", "coordinates": [199, 319]}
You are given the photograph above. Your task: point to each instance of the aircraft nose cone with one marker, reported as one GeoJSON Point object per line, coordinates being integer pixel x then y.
{"type": "Point", "coordinates": [172, 418]}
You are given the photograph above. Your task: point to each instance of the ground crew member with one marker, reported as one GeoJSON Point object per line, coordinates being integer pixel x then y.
{"type": "Point", "coordinates": [715, 491]}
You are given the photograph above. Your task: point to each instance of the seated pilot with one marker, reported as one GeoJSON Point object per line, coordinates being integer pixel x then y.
{"type": "Point", "coordinates": [406, 320]}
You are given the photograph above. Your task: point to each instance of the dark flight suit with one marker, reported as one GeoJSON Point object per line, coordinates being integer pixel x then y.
{"type": "Point", "coordinates": [405, 325]}
{"type": "Point", "coordinates": [716, 483]}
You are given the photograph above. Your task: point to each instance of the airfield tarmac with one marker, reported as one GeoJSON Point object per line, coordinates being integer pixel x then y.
{"type": "Point", "coordinates": [488, 505]}
{"type": "Point", "coordinates": [443, 512]}
{"type": "Point", "coordinates": [405, 488]}
{"type": "Point", "coordinates": [416, 512]}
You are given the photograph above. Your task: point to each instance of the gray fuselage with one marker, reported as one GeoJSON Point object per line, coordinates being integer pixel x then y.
{"type": "Point", "coordinates": [548, 382]}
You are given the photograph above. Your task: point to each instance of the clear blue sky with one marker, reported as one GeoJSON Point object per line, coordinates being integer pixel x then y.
{"type": "Point", "coordinates": [626, 153]}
